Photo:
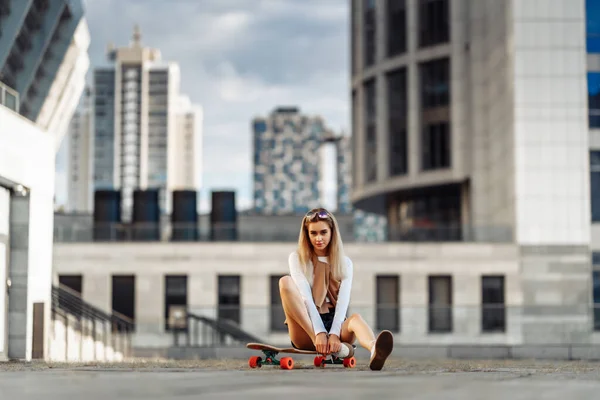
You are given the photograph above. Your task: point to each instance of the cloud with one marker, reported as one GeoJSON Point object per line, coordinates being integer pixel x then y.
{"type": "Point", "coordinates": [239, 59]}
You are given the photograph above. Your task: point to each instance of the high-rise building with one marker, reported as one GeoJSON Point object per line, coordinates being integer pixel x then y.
{"type": "Point", "coordinates": [469, 119]}
{"type": "Point", "coordinates": [344, 173]}
{"type": "Point", "coordinates": [470, 124]}
{"type": "Point", "coordinates": [287, 161]}
{"type": "Point", "coordinates": [188, 145]}
{"type": "Point", "coordinates": [43, 57]}
{"type": "Point", "coordinates": [79, 158]}
{"type": "Point", "coordinates": [136, 118]}
{"type": "Point", "coordinates": [299, 164]}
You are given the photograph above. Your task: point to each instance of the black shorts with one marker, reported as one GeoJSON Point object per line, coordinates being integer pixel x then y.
{"type": "Point", "coordinates": [327, 319]}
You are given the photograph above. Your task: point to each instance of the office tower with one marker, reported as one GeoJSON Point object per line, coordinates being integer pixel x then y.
{"type": "Point", "coordinates": [79, 165]}
{"type": "Point", "coordinates": [188, 145]}
{"type": "Point", "coordinates": [43, 57]}
{"type": "Point", "coordinates": [137, 111]}
{"type": "Point", "coordinates": [287, 161]}
{"type": "Point", "coordinates": [344, 173]}
{"type": "Point", "coordinates": [470, 124]}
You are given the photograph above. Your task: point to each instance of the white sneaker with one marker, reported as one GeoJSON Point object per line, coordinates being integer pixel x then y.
{"type": "Point", "coordinates": [346, 351]}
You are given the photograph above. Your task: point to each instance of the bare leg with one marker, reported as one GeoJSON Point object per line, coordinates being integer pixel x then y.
{"type": "Point", "coordinates": [380, 347]}
{"type": "Point", "coordinates": [299, 323]}
{"type": "Point", "coordinates": [355, 327]}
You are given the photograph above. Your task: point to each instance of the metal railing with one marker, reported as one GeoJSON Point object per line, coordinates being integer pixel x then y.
{"type": "Point", "coordinates": [235, 325]}
{"type": "Point", "coordinates": [268, 231]}
{"type": "Point", "coordinates": [202, 331]}
{"type": "Point", "coordinates": [9, 97]}
{"type": "Point", "coordinates": [110, 329]}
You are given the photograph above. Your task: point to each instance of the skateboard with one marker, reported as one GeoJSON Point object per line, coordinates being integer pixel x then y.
{"type": "Point", "coordinates": [271, 352]}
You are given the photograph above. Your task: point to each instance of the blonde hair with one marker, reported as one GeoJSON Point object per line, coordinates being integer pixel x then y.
{"type": "Point", "coordinates": [305, 250]}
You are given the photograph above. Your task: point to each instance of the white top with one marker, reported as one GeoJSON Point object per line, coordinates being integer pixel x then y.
{"type": "Point", "coordinates": [305, 287]}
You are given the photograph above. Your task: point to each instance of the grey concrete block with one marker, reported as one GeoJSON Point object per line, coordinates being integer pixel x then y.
{"type": "Point", "coordinates": [570, 268]}
{"type": "Point", "coordinates": [19, 210]}
{"type": "Point", "coordinates": [479, 352]}
{"type": "Point", "coordinates": [17, 323]}
{"type": "Point", "coordinates": [19, 236]}
{"type": "Point", "coordinates": [566, 310]}
{"type": "Point", "coordinates": [17, 347]}
{"type": "Point", "coordinates": [589, 352]}
{"type": "Point", "coordinates": [542, 352]}
{"type": "Point", "coordinates": [19, 262]}
{"type": "Point", "coordinates": [17, 298]}
{"type": "Point", "coordinates": [553, 333]}
{"type": "Point", "coordinates": [554, 250]}
{"type": "Point", "coordinates": [420, 352]}
{"type": "Point", "coordinates": [18, 284]}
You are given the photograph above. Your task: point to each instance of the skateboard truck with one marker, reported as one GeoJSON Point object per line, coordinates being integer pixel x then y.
{"type": "Point", "coordinates": [271, 359]}
{"type": "Point", "coordinates": [321, 361]}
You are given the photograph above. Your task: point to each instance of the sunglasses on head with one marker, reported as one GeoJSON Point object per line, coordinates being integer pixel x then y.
{"type": "Point", "coordinates": [321, 213]}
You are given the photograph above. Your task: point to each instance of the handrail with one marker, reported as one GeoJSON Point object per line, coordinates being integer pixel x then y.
{"type": "Point", "coordinates": [68, 300]}
{"type": "Point", "coordinates": [214, 331]}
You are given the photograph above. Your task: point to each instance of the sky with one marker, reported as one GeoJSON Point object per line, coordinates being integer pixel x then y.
{"type": "Point", "coordinates": [238, 59]}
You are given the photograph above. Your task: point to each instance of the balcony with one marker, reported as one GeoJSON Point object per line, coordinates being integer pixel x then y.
{"type": "Point", "coordinates": [9, 97]}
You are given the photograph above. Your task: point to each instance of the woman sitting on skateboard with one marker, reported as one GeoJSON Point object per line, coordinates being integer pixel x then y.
{"type": "Point", "coordinates": [316, 295]}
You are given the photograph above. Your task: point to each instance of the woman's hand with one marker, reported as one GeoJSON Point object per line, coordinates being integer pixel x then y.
{"type": "Point", "coordinates": [321, 343]}
{"type": "Point", "coordinates": [334, 345]}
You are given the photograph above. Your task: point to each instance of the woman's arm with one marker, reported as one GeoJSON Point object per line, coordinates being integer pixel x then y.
{"type": "Point", "coordinates": [343, 301]}
{"type": "Point", "coordinates": [306, 293]}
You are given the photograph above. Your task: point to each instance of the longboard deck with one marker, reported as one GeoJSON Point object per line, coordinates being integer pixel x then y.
{"type": "Point", "coordinates": [262, 346]}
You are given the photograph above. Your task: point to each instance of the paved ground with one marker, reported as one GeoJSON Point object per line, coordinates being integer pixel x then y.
{"type": "Point", "coordinates": [419, 380]}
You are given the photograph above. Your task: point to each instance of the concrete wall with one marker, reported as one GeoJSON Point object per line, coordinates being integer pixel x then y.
{"type": "Point", "coordinates": [203, 262]}
{"type": "Point", "coordinates": [27, 158]}
{"type": "Point", "coordinates": [551, 141]}
{"type": "Point", "coordinates": [74, 340]}
{"type": "Point", "coordinates": [556, 283]}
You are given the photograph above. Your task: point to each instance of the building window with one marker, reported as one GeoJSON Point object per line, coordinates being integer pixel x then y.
{"type": "Point", "coordinates": [435, 114]}
{"type": "Point", "coordinates": [229, 298]}
{"type": "Point", "coordinates": [493, 310]}
{"type": "Point", "coordinates": [592, 22]}
{"type": "Point", "coordinates": [596, 299]}
{"type": "Point", "coordinates": [73, 283]}
{"type": "Point", "coordinates": [370, 131]}
{"type": "Point", "coordinates": [435, 146]}
{"type": "Point", "coordinates": [123, 296]}
{"type": "Point", "coordinates": [595, 185]}
{"type": "Point", "coordinates": [396, 27]}
{"type": "Point", "coordinates": [370, 32]}
{"type": "Point", "coordinates": [593, 81]}
{"type": "Point", "coordinates": [397, 113]}
{"type": "Point", "coordinates": [427, 215]}
{"type": "Point", "coordinates": [277, 314]}
{"type": "Point", "coordinates": [434, 22]}
{"type": "Point", "coordinates": [176, 302]}
{"type": "Point", "coordinates": [440, 304]}
{"type": "Point", "coordinates": [388, 303]}
{"type": "Point", "coordinates": [353, 31]}
{"type": "Point", "coordinates": [434, 77]}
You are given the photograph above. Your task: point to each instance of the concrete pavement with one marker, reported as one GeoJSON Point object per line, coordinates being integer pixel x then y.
{"type": "Point", "coordinates": [229, 379]}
